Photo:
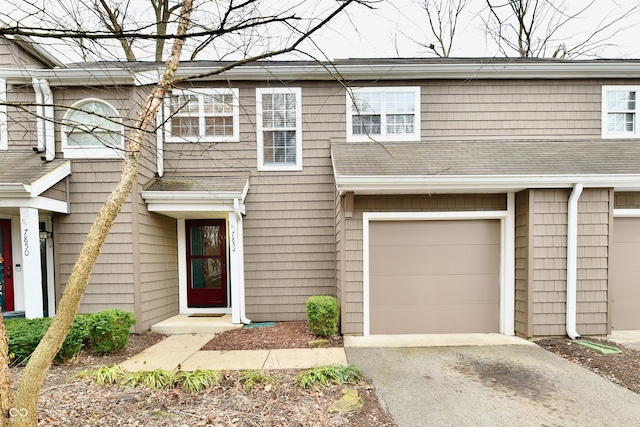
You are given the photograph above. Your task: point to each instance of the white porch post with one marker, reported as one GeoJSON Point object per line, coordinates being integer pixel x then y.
{"type": "Point", "coordinates": [31, 268]}
{"type": "Point", "coordinates": [236, 280]}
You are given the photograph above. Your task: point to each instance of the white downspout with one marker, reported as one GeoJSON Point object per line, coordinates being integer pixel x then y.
{"type": "Point", "coordinates": [39, 115]}
{"type": "Point", "coordinates": [49, 131]}
{"type": "Point", "coordinates": [572, 260]}
{"type": "Point", "coordinates": [236, 210]}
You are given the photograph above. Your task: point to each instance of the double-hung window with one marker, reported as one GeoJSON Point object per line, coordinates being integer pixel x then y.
{"type": "Point", "coordinates": [92, 128]}
{"type": "Point", "coordinates": [383, 113]}
{"type": "Point", "coordinates": [620, 111]}
{"type": "Point", "coordinates": [279, 126]}
{"type": "Point", "coordinates": [202, 115]}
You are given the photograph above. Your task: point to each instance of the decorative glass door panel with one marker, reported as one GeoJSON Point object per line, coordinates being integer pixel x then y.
{"type": "Point", "coordinates": [6, 266]}
{"type": "Point", "coordinates": [206, 263]}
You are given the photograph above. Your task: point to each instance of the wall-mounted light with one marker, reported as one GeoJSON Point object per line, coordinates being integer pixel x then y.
{"type": "Point", "coordinates": [45, 234]}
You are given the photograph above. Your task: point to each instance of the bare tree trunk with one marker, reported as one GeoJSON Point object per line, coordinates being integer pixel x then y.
{"type": "Point", "coordinates": [26, 399]}
{"type": "Point", "coordinates": [6, 394]}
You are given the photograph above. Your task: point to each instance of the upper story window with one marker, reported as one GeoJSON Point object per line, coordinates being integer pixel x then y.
{"type": "Point", "coordinates": [203, 115]}
{"type": "Point", "coordinates": [92, 129]}
{"type": "Point", "coordinates": [620, 111]}
{"type": "Point", "coordinates": [279, 120]}
{"type": "Point", "coordinates": [383, 113]}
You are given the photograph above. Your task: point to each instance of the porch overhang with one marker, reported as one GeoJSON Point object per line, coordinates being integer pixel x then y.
{"type": "Point", "coordinates": [484, 166]}
{"type": "Point", "coordinates": [25, 178]}
{"type": "Point", "coordinates": [196, 197]}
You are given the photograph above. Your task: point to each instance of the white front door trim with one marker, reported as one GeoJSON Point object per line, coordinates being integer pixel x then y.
{"type": "Point", "coordinates": [507, 250]}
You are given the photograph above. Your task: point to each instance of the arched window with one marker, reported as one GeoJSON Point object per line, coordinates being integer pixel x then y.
{"type": "Point", "coordinates": [92, 129]}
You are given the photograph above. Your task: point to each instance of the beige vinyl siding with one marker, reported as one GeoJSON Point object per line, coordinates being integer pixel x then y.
{"type": "Point", "coordinates": [549, 258]}
{"type": "Point", "coordinates": [519, 109]}
{"type": "Point", "coordinates": [352, 320]}
{"type": "Point", "coordinates": [57, 192]}
{"type": "Point", "coordinates": [21, 125]}
{"type": "Point", "coordinates": [13, 56]}
{"type": "Point", "coordinates": [523, 309]}
{"type": "Point", "coordinates": [339, 230]}
{"type": "Point", "coordinates": [593, 261]}
{"type": "Point", "coordinates": [111, 283]}
{"type": "Point", "coordinates": [549, 275]}
{"type": "Point", "coordinates": [627, 200]}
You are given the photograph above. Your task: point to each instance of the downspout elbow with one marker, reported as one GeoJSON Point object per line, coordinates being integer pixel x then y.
{"type": "Point", "coordinates": [572, 261]}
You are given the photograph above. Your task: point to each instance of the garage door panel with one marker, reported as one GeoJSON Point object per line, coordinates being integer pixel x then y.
{"type": "Point", "coordinates": [630, 286]}
{"type": "Point", "coordinates": [624, 278]}
{"type": "Point", "coordinates": [434, 277]}
{"type": "Point", "coordinates": [411, 260]}
{"type": "Point", "coordinates": [413, 233]}
{"type": "Point", "coordinates": [444, 289]}
{"type": "Point", "coordinates": [440, 319]}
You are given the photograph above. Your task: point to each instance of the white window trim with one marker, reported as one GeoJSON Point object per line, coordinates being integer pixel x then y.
{"type": "Point", "coordinates": [90, 152]}
{"type": "Point", "coordinates": [415, 136]}
{"type": "Point", "coordinates": [203, 138]}
{"type": "Point", "coordinates": [4, 131]}
{"type": "Point", "coordinates": [260, 138]}
{"type": "Point", "coordinates": [604, 122]}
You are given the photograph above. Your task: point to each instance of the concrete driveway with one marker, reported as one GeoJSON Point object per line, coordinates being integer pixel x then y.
{"type": "Point", "coordinates": [502, 385]}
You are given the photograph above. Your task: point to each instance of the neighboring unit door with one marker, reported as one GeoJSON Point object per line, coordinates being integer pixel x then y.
{"type": "Point", "coordinates": [624, 274]}
{"type": "Point", "coordinates": [206, 263]}
{"type": "Point", "coordinates": [6, 266]}
{"type": "Point", "coordinates": [434, 277]}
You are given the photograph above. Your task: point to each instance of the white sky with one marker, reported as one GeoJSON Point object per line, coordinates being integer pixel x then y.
{"type": "Point", "coordinates": [394, 28]}
{"type": "Point", "coordinates": [389, 30]}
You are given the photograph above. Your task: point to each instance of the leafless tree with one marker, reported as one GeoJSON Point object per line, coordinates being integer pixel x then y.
{"type": "Point", "coordinates": [443, 18]}
{"type": "Point", "coordinates": [201, 26]}
{"type": "Point", "coordinates": [536, 28]}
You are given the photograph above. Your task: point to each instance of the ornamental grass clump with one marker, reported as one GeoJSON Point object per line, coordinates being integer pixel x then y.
{"type": "Point", "coordinates": [322, 315]}
{"type": "Point", "coordinates": [322, 376]}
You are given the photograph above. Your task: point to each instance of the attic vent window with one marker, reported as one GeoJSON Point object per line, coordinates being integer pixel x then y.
{"type": "Point", "coordinates": [202, 115]}
{"type": "Point", "coordinates": [620, 112]}
{"type": "Point", "coordinates": [383, 113]}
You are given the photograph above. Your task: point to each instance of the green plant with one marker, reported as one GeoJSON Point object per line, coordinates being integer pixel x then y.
{"type": "Point", "coordinates": [325, 375]}
{"type": "Point", "coordinates": [103, 375]}
{"type": "Point", "coordinates": [250, 377]}
{"type": "Point", "coordinates": [322, 315]}
{"type": "Point", "coordinates": [25, 334]}
{"type": "Point", "coordinates": [158, 379]}
{"type": "Point", "coordinates": [109, 330]}
{"type": "Point", "coordinates": [198, 380]}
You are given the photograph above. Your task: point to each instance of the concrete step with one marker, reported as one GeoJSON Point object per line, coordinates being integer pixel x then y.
{"type": "Point", "coordinates": [183, 324]}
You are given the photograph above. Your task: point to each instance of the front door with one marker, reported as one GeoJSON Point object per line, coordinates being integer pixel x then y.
{"type": "Point", "coordinates": [206, 263]}
{"type": "Point", "coordinates": [6, 266]}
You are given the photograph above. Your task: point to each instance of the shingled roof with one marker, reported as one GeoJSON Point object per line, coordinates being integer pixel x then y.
{"type": "Point", "coordinates": [25, 171]}
{"type": "Point", "coordinates": [612, 163]}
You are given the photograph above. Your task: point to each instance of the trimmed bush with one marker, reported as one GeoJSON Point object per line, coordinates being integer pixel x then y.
{"type": "Point", "coordinates": [24, 335]}
{"type": "Point", "coordinates": [322, 315]}
{"type": "Point", "coordinates": [109, 330]}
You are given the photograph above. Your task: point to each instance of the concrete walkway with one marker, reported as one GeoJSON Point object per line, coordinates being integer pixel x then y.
{"type": "Point", "coordinates": [183, 351]}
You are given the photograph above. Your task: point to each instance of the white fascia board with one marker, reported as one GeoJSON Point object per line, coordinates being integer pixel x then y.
{"type": "Point", "coordinates": [191, 207]}
{"type": "Point", "coordinates": [50, 179]}
{"type": "Point", "coordinates": [473, 69]}
{"type": "Point", "coordinates": [475, 183]}
{"type": "Point", "coordinates": [626, 213]}
{"type": "Point", "coordinates": [41, 203]}
{"type": "Point", "coordinates": [15, 189]}
{"type": "Point", "coordinates": [195, 197]}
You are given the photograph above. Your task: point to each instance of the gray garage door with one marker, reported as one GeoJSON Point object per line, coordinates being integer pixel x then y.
{"type": "Point", "coordinates": [434, 277]}
{"type": "Point", "coordinates": [624, 270]}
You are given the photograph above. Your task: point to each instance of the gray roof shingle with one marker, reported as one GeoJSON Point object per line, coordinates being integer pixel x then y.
{"type": "Point", "coordinates": [25, 166]}
{"type": "Point", "coordinates": [487, 158]}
